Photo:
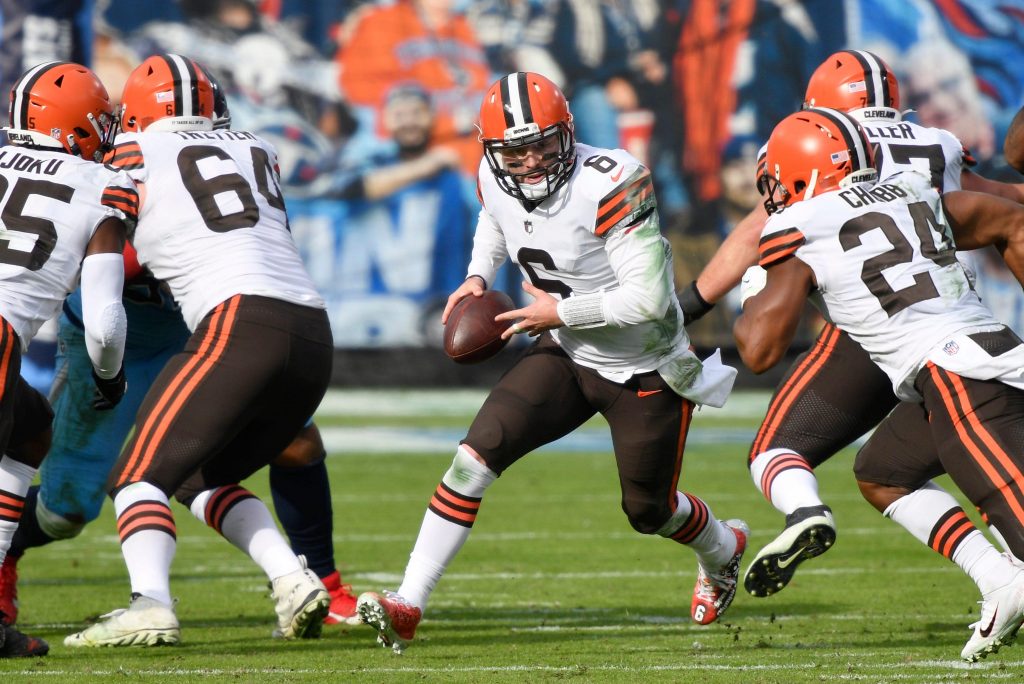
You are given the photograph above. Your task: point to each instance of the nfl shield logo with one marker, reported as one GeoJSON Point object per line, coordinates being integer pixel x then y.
{"type": "Point", "coordinates": [951, 347]}
{"type": "Point", "coordinates": [528, 227]}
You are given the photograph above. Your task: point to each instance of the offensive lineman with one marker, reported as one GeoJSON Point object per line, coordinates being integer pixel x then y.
{"type": "Point", "coordinates": [212, 226]}
{"type": "Point", "coordinates": [63, 219]}
{"type": "Point", "coordinates": [881, 257]}
{"type": "Point", "coordinates": [582, 225]}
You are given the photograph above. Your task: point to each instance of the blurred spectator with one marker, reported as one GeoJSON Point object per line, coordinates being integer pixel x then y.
{"type": "Point", "coordinates": [399, 238]}
{"type": "Point", "coordinates": [500, 26]}
{"type": "Point", "coordinates": [408, 120]}
{"type": "Point", "coordinates": [259, 59]}
{"type": "Point", "coordinates": [739, 68]}
{"type": "Point", "coordinates": [595, 51]}
{"type": "Point", "coordinates": [36, 31]}
{"type": "Point", "coordinates": [427, 42]}
{"type": "Point", "coordinates": [113, 60]}
{"type": "Point", "coordinates": [947, 96]}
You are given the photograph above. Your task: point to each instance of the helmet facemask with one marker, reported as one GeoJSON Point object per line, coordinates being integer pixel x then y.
{"type": "Point", "coordinates": [104, 128]}
{"type": "Point", "coordinates": [556, 148]}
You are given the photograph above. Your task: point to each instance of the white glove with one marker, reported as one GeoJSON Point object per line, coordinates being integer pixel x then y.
{"type": "Point", "coordinates": [754, 280]}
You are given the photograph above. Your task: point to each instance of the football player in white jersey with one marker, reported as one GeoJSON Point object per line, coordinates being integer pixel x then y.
{"type": "Point", "coordinates": [880, 257]}
{"type": "Point", "coordinates": [833, 394]}
{"type": "Point", "coordinates": [582, 225]}
{"type": "Point", "coordinates": [212, 225]}
{"type": "Point", "coordinates": [63, 221]}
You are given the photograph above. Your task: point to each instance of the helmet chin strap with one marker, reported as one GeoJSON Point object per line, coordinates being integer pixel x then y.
{"type": "Point", "coordinates": [811, 184]}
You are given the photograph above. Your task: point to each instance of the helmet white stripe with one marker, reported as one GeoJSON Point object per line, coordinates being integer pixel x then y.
{"type": "Point", "coordinates": [874, 72]}
{"type": "Point", "coordinates": [852, 136]}
{"type": "Point", "coordinates": [21, 93]}
{"type": "Point", "coordinates": [182, 74]}
{"type": "Point", "coordinates": [515, 102]}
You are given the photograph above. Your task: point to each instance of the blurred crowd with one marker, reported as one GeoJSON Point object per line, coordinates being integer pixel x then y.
{"type": "Point", "coordinates": [365, 99]}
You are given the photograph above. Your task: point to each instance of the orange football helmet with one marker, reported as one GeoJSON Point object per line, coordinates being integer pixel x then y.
{"type": "Point", "coordinates": [812, 152]}
{"type": "Point", "coordinates": [167, 93]}
{"type": "Point", "coordinates": [857, 82]}
{"type": "Point", "coordinates": [523, 110]}
{"type": "Point", "coordinates": [62, 105]}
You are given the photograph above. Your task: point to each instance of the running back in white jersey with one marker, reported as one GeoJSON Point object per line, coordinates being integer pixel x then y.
{"type": "Point", "coordinates": [212, 220]}
{"type": "Point", "coordinates": [886, 269]}
{"type": "Point", "coordinates": [906, 146]}
{"type": "Point", "coordinates": [50, 206]}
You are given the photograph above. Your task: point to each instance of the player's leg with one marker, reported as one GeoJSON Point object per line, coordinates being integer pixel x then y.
{"type": "Point", "coordinates": [286, 377]}
{"type": "Point", "coordinates": [649, 424]}
{"type": "Point", "coordinates": [536, 402]}
{"type": "Point", "coordinates": [831, 395]}
{"type": "Point", "coordinates": [976, 426]}
{"type": "Point", "coordinates": [197, 406]}
{"type": "Point", "coordinates": [301, 492]}
{"type": "Point", "coordinates": [23, 449]}
{"type": "Point", "coordinates": [894, 469]}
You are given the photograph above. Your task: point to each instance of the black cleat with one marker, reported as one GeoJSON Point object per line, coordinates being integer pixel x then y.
{"type": "Point", "coordinates": [810, 531]}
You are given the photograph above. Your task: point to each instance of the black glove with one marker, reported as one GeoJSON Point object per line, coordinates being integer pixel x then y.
{"type": "Point", "coordinates": [694, 306]}
{"type": "Point", "coordinates": [109, 391]}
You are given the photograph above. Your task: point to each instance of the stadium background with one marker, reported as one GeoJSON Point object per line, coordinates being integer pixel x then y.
{"type": "Point", "coordinates": [692, 87]}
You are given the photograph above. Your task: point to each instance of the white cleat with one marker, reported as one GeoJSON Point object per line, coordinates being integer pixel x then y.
{"type": "Point", "coordinates": [810, 531]}
{"type": "Point", "coordinates": [145, 622]}
{"type": "Point", "coordinates": [301, 602]}
{"type": "Point", "coordinates": [1002, 613]}
{"type": "Point", "coordinates": [713, 593]}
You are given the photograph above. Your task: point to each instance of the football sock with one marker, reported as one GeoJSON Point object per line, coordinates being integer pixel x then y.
{"type": "Point", "coordinates": [694, 525]}
{"type": "Point", "coordinates": [786, 479]}
{"type": "Point", "coordinates": [935, 518]}
{"type": "Point", "coordinates": [245, 521]}
{"type": "Point", "coordinates": [302, 501]}
{"type": "Point", "coordinates": [15, 479]}
{"type": "Point", "coordinates": [446, 525]}
{"type": "Point", "coordinates": [29, 533]}
{"type": "Point", "coordinates": [145, 525]}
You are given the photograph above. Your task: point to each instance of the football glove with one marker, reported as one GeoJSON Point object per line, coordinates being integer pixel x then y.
{"type": "Point", "coordinates": [754, 280]}
{"type": "Point", "coordinates": [109, 391]}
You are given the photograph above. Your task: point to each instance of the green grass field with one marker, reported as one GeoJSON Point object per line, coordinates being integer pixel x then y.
{"type": "Point", "coordinates": [553, 585]}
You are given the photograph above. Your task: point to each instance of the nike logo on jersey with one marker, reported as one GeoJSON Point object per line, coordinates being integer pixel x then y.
{"type": "Point", "coordinates": [786, 562]}
{"type": "Point", "coordinates": [646, 393]}
{"type": "Point", "coordinates": [988, 630]}
{"type": "Point", "coordinates": [618, 174]}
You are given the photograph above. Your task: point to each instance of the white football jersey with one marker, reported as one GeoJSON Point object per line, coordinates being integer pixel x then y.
{"type": "Point", "coordinates": [906, 146]}
{"type": "Point", "coordinates": [600, 226]}
{"type": "Point", "coordinates": [885, 267]}
{"type": "Point", "coordinates": [212, 220]}
{"type": "Point", "coordinates": [52, 204]}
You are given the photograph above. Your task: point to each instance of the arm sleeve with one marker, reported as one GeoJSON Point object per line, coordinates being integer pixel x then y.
{"type": "Point", "coordinates": [642, 262]}
{"type": "Point", "coordinates": [489, 251]}
{"type": "Point", "coordinates": [103, 313]}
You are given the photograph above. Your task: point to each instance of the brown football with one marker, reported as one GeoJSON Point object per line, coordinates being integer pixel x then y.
{"type": "Point", "coordinates": [471, 334]}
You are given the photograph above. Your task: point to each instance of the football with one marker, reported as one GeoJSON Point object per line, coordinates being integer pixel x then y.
{"type": "Point", "coordinates": [471, 334]}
